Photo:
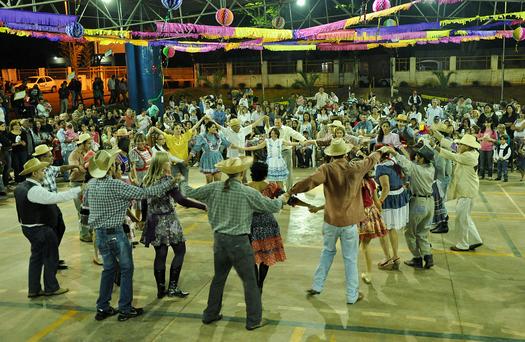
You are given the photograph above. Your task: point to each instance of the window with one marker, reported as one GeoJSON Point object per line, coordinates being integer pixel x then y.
{"type": "Point", "coordinates": [402, 64]}
{"type": "Point", "coordinates": [289, 67]}
{"type": "Point", "coordinates": [211, 68]}
{"type": "Point", "coordinates": [319, 66]}
{"type": "Point", "coordinates": [473, 63]}
{"type": "Point", "coordinates": [513, 62]}
{"type": "Point", "coordinates": [432, 63]}
{"type": "Point", "coordinates": [347, 66]}
{"type": "Point", "coordinates": [246, 68]}
{"type": "Point", "coordinates": [41, 80]}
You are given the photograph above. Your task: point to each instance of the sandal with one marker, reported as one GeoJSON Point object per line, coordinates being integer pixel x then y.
{"type": "Point", "coordinates": [365, 278]}
{"type": "Point", "coordinates": [396, 263]}
{"type": "Point", "coordinates": [97, 261]}
{"type": "Point", "coordinates": [383, 263]}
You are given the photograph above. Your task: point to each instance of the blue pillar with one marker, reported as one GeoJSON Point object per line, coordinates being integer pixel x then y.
{"type": "Point", "coordinates": [144, 65]}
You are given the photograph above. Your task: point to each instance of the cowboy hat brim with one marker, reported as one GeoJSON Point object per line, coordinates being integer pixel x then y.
{"type": "Point", "coordinates": [332, 152]}
{"type": "Point", "coordinates": [29, 170]}
{"type": "Point", "coordinates": [98, 172]}
{"type": "Point", "coordinates": [224, 167]}
{"type": "Point", "coordinates": [41, 153]}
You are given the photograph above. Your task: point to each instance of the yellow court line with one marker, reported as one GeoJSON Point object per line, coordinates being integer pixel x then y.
{"type": "Point", "coordinates": [297, 334]}
{"type": "Point", "coordinates": [53, 326]}
{"type": "Point", "coordinates": [511, 200]}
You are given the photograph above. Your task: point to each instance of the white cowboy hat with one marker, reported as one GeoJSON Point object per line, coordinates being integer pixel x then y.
{"type": "Point", "coordinates": [337, 147]}
{"type": "Point", "coordinates": [234, 165]}
{"type": "Point", "coordinates": [33, 165]}
{"type": "Point", "coordinates": [337, 123]}
{"type": "Point", "coordinates": [122, 132]}
{"type": "Point", "coordinates": [469, 140]}
{"type": "Point", "coordinates": [100, 164]}
{"type": "Point", "coordinates": [41, 150]}
{"type": "Point", "coordinates": [82, 138]}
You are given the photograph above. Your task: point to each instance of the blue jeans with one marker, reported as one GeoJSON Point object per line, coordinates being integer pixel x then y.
{"type": "Point", "coordinates": [350, 247]}
{"type": "Point", "coordinates": [503, 169]}
{"type": "Point", "coordinates": [115, 250]}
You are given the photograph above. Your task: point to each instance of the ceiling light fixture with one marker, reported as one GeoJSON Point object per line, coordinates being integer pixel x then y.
{"type": "Point", "coordinates": [301, 3]}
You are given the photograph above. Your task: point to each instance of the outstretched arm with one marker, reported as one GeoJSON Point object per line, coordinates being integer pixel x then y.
{"type": "Point", "coordinates": [253, 148]}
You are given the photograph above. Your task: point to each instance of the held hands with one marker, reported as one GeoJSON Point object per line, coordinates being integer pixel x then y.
{"type": "Point", "coordinates": [313, 209]}
{"type": "Point", "coordinates": [284, 197]}
{"type": "Point", "coordinates": [387, 150]}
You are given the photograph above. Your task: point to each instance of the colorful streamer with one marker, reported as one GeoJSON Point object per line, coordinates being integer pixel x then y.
{"type": "Point", "coordinates": [35, 18]}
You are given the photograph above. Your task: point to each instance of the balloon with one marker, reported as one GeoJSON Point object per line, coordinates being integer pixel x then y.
{"type": "Point", "coordinates": [166, 51]}
{"type": "Point", "coordinates": [171, 4]}
{"type": "Point", "coordinates": [519, 34]}
{"type": "Point", "coordinates": [380, 5]}
{"type": "Point", "coordinates": [224, 17]}
{"type": "Point", "coordinates": [75, 30]}
{"type": "Point", "coordinates": [278, 22]}
{"type": "Point", "coordinates": [171, 52]}
{"type": "Point", "coordinates": [390, 22]}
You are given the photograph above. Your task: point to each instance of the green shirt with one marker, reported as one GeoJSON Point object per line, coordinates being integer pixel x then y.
{"type": "Point", "coordinates": [230, 212]}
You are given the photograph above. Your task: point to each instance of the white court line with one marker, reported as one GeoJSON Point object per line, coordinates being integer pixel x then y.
{"type": "Point", "coordinates": [375, 314]}
{"type": "Point", "coordinates": [3, 290]}
{"type": "Point", "coordinates": [468, 325]}
{"type": "Point", "coordinates": [511, 200]}
{"type": "Point", "coordinates": [241, 305]}
{"type": "Point", "coordinates": [512, 332]}
{"type": "Point", "coordinates": [420, 318]}
{"type": "Point", "coordinates": [339, 312]}
{"type": "Point", "coordinates": [291, 308]}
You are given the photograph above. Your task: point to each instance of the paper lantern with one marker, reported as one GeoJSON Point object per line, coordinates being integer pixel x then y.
{"type": "Point", "coordinates": [519, 34]}
{"type": "Point", "coordinates": [171, 52]}
{"type": "Point", "coordinates": [278, 22]}
{"type": "Point", "coordinates": [224, 17]}
{"type": "Point", "coordinates": [165, 51]}
{"type": "Point", "coordinates": [171, 4]}
{"type": "Point", "coordinates": [390, 22]}
{"type": "Point", "coordinates": [75, 30]}
{"type": "Point", "coordinates": [380, 5]}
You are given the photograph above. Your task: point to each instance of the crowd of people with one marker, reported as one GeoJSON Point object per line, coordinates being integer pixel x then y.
{"type": "Point", "coordinates": [386, 168]}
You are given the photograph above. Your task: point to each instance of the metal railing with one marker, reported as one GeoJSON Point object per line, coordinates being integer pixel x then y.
{"type": "Point", "coordinates": [472, 63]}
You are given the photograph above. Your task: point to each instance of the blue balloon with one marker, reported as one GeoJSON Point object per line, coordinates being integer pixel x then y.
{"type": "Point", "coordinates": [171, 4]}
{"type": "Point", "coordinates": [75, 30]}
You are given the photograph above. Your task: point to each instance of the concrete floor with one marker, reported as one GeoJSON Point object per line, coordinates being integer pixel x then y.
{"type": "Point", "coordinates": [467, 296]}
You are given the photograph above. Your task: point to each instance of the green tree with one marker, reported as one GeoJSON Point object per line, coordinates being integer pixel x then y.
{"type": "Point", "coordinates": [216, 81]}
{"type": "Point", "coordinates": [443, 79]}
{"type": "Point", "coordinates": [261, 15]}
{"type": "Point", "coordinates": [306, 82]}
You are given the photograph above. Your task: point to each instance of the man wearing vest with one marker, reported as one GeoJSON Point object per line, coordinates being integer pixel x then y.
{"type": "Point", "coordinates": [38, 214]}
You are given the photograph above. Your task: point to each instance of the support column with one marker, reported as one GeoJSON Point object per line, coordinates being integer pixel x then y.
{"type": "Point", "coordinates": [229, 74]}
{"type": "Point", "coordinates": [299, 65]}
{"type": "Point", "coordinates": [264, 73]}
{"type": "Point", "coordinates": [452, 62]}
{"type": "Point", "coordinates": [494, 74]}
{"type": "Point", "coordinates": [412, 71]}
{"type": "Point", "coordinates": [336, 74]}
{"type": "Point", "coordinates": [144, 66]}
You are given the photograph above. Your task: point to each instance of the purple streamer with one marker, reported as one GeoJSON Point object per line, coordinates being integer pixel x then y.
{"type": "Point", "coordinates": [36, 18]}
{"type": "Point", "coordinates": [35, 27]}
{"type": "Point", "coordinates": [399, 29]}
{"type": "Point", "coordinates": [221, 31]}
{"type": "Point", "coordinates": [138, 34]}
{"type": "Point", "coordinates": [313, 31]}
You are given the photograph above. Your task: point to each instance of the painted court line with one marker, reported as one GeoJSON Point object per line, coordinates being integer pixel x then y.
{"type": "Point", "coordinates": [375, 314]}
{"type": "Point", "coordinates": [421, 318]}
{"type": "Point", "coordinates": [53, 326]}
{"type": "Point", "coordinates": [331, 311]}
{"type": "Point", "coordinates": [297, 334]}
{"type": "Point", "coordinates": [511, 200]}
{"type": "Point", "coordinates": [291, 308]}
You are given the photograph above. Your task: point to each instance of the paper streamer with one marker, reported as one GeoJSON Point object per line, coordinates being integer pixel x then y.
{"type": "Point", "coordinates": [35, 18]}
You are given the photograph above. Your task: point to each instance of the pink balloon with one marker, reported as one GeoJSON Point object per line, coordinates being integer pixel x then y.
{"type": "Point", "coordinates": [171, 52]}
{"type": "Point", "coordinates": [380, 5]}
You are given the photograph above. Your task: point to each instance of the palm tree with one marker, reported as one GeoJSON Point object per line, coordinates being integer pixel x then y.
{"type": "Point", "coordinates": [216, 81]}
{"type": "Point", "coordinates": [306, 82]}
{"type": "Point", "coordinates": [442, 78]}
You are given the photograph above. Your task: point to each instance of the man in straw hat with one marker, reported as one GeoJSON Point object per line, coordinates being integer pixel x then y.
{"type": "Point", "coordinates": [464, 187]}
{"type": "Point", "coordinates": [343, 211]}
{"type": "Point", "coordinates": [77, 177]}
{"type": "Point", "coordinates": [230, 208]}
{"type": "Point", "coordinates": [108, 200]}
{"type": "Point", "coordinates": [44, 154]}
{"type": "Point", "coordinates": [421, 207]}
{"type": "Point", "coordinates": [38, 214]}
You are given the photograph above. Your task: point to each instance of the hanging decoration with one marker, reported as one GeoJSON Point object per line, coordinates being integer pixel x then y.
{"type": "Point", "coordinates": [224, 16]}
{"type": "Point", "coordinates": [380, 5]}
{"type": "Point", "coordinates": [171, 5]}
{"type": "Point", "coordinates": [35, 18]}
{"type": "Point", "coordinates": [390, 22]}
{"type": "Point", "coordinates": [518, 34]}
{"type": "Point", "coordinates": [75, 30]}
{"type": "Point", "coordinates": [278, 22]}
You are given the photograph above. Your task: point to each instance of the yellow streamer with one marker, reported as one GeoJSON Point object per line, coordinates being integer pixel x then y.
{"type": "Point", "coordinates": [463, 21]}
{"type": "Point", "coordinates": [379, 14]}
{"type": "Point", "coordinates": [108, 33]}
{"type": "Point", "coordinates": [290, 47]}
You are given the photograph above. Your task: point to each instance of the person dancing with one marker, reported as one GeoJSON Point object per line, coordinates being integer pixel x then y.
{"type": "Point", "coordinates": [163, 228]}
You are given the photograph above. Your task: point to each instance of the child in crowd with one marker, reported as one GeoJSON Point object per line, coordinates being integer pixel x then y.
{"type": "Point", "coordinates": [502, 154]}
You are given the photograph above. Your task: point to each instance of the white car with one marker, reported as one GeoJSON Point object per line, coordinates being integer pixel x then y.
{"type": "Point", "coordinates": [45, 83]}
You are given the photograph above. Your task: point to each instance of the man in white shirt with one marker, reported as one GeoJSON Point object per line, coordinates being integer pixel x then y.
{"type": "Point", "coordinates": [244, 116]}
{"type": "Point", "coordinates": [286, 133]}
{"type": "Point", "coordinates": [42, 108]}
{"type": "Point", "coordinates": [38, 215]}
{"type": "Point", "coordinates": [254, 117]}
{"type": "Point", "coordinates": [434, 111]}
{"type": "Point", "coordinates": [143, 122]}
{"type": "Point", "coordinates": [244, 101]}
{"type": "Point", "coordinates": [321, 98]}
{"type": "Point", "coordinates": [236, 135]}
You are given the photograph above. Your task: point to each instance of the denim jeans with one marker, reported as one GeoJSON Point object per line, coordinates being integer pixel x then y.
{"type": "Point", "coordinates": [115, 250]}
{"type": "Point", "coordinates": [44, 254]}
{"type": "Point", "coordinates": [486, 163]}
{"type": "Point", "coordinates": [349, 237]}
{"type": "Point", "coordinates": [503, 169]}
{"type": "Point", "coordinates": [180, 168]}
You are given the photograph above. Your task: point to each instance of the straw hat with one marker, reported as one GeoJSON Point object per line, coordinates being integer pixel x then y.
{"type": "Point", "coordinates": [441, 127]}
{"type": "Point", "coordinates": [82, 138]}
{"type": "Point", "coordinates": [338, 124]}
{"type": "Point", "coordinates": [337, 147]}
{"type": "Point", "coordinates": [235, 122]}
{"type": "Point", "coordinates": [122, 132]}
{"type": "Point", "coordinates": [100, 164]}
{"type": "Point", "coordinates": [41, 150]}
{"type": "Point", "coordinates": [469, 140]}
{"type": "Point", "coordinates": [402, 117]}
{"type": "Point", "coordinates": [33, 165]}
{"type": "Point", "coordinates": [234, 165]}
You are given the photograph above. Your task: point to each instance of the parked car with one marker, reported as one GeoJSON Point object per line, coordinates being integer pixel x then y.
{"type": "Point", "coordinates": [45, 83]}
{"type": "Point", "coordinates": [381, 82]}
{"type": "Point", "coordinates": [429, 65]}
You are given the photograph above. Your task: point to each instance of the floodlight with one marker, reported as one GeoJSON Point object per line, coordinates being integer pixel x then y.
{"type": "Point", "coordinates": [301, 3]}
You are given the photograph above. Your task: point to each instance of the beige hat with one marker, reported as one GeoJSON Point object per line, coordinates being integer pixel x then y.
{"type": "Point", "coordinates": [41, 150]}
{"type": "Point", "coordinates": [33, 165]}
{"type": "Point", "coordinates": [235, 122]}
{"type": "Point", "coordinates": [100, 164]}
{"type": "Point", "coordinates": [337, 147]}
{"type": "Point", "coordinates": [337, 123]}
{"type": "Point", "coordinates": [234, 165]}
{"type": "Point", "coordinates": [441, 127]}
{"type": "Point", "coordinates": [402, 117]}
{"type": "Point", "coordinates": [469, 140]}
{"type": "Point", "coordinates": [122, 132]}
{"type": "Point", "coordinates": [82, 138]}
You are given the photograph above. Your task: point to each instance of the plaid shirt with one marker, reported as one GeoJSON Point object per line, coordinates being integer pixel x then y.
{"type": "Point", "coordinates": [108, 199]}
{"type": "Point", "coordinates": [50, 174]}
{"type": "Point", "coordinates": [230, 212]}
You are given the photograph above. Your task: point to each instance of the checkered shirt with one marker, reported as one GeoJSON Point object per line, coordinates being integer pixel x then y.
{"type": "Point", "coordinates": [108, 199]}
{"type": "Point", "coordinates": [50, 174]}
{"type": "Point", "coordinates": [230, 212]}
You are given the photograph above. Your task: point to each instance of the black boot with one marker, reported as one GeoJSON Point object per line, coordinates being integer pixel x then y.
{"type": "Point", "coordinates": [160, 278]}
{"type": "Point", "coordinates": [429, 261]}
{"type": "Point", "coordinates": [415, 262]}
{"type": "Point", "coordinates": [174, 291]}
{"type": "Point", "coordinates": [442, 228]}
